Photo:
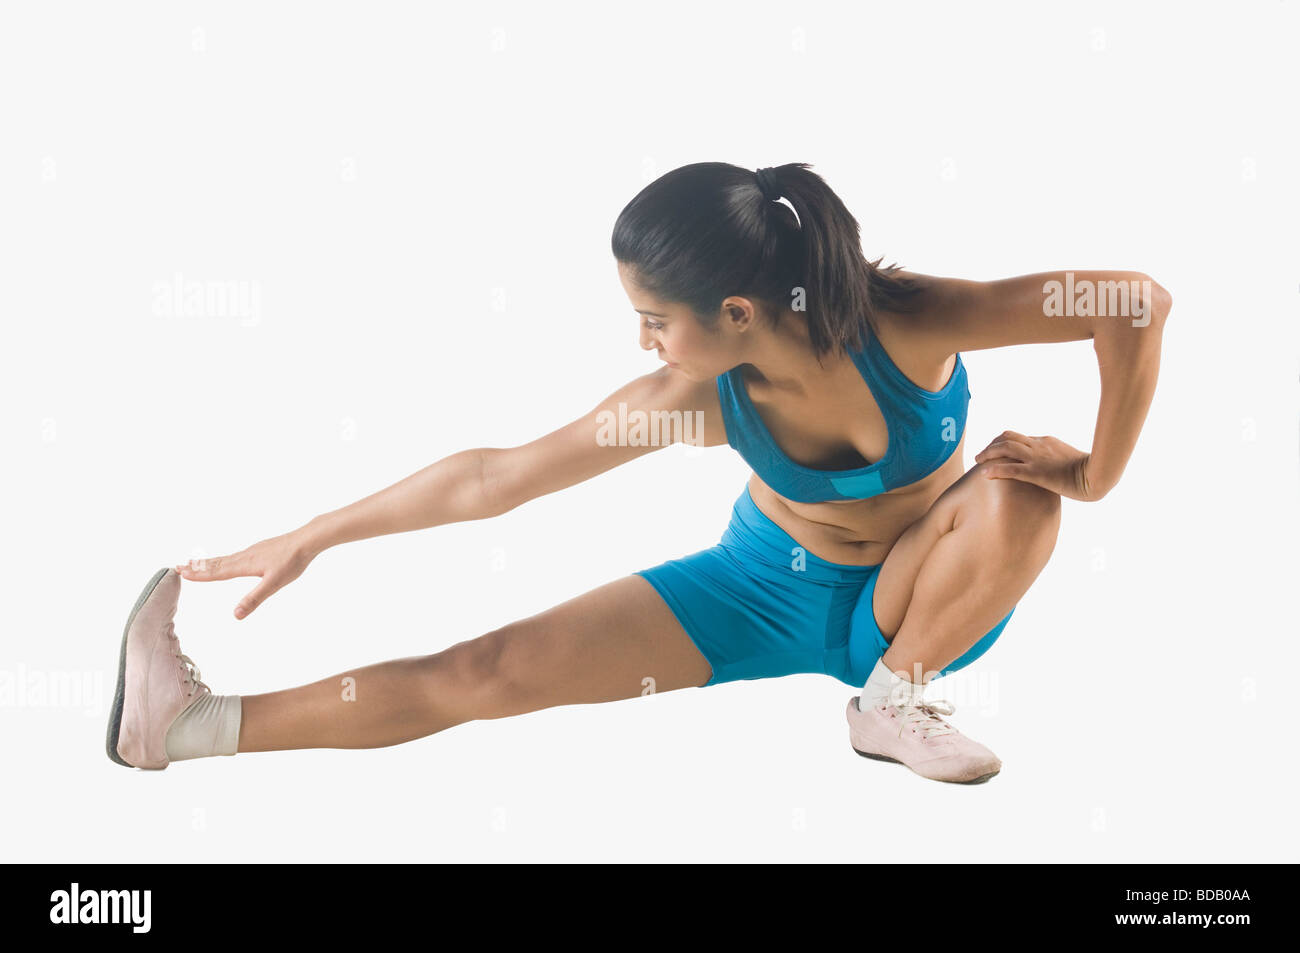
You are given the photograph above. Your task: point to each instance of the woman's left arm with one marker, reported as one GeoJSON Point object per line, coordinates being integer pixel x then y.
{"type": "Point", "coordinates": [1124, 314]}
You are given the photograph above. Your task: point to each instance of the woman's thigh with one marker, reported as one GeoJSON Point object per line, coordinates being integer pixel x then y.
{"type": "Point", "coordinates": [617, 641]}
{"type": "Point", "coordinates": [1010, 502]}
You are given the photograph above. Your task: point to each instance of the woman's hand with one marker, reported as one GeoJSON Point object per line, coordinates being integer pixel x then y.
{"type": "Point", "coordinates": [278, 561]}
{"type": "Point", "coordinates": [1043, 461]}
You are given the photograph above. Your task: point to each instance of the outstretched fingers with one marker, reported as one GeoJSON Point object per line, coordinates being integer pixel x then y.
{"type": "Point", "coordinates": [232, 567]}
{"type": "Point", "coordinates": [217, 567]}
{"type": "Point", "coordinates": [257, 596]}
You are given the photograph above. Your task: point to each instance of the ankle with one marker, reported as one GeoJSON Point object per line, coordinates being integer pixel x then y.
{"type": "Point", "coordinates": [208, 727]}
{"type": "Point", "coordinates": [889, 687]}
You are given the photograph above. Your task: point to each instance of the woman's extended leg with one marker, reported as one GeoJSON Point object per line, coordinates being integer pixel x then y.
{"type": "Point", "coordinates": [961, 568]}
{"type": "Point", "coordinates": [617, 641]}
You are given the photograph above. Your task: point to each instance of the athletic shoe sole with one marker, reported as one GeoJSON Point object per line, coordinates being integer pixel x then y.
{"type": "Point", "coordinates": [119, 696]}
{"type": "Point", "coordinates": [880, 757]}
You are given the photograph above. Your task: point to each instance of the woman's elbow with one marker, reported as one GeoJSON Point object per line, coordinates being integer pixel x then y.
{"type": "Point", "coordinates": [1156, 300]}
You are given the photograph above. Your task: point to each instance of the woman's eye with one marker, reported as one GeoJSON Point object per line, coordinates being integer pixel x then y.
{"type": "Point", "coordinates": [652, 326]}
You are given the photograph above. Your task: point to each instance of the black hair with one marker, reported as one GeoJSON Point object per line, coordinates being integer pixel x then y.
{"type": "Point", "coordinates": [705, 231]}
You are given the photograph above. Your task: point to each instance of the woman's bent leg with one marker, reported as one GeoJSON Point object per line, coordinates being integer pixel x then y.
{"type": "Point", "coordinates": [955, 573]}
{"type": "Point", "coordinates": [617, 641]}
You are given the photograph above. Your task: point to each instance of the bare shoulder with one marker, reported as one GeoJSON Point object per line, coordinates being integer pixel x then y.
{"type": "Point", "coordinates": [667, 388]}
{"type": "Point", "coordinates": [668, 391]}
{"type": "Point", "coordinates": [915, 339]}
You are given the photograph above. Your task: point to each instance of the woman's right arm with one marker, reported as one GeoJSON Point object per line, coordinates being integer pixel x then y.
{"type": "Point", "coordinates": [487, 481]}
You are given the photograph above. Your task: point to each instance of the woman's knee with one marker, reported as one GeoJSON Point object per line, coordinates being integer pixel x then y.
{"type": "Point", "coordinates": [1018, 512]}
{"type": "Point", "coordinates": [484, 675]}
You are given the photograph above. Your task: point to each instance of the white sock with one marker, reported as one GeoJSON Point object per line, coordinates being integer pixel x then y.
{"type": "Point", "coordinates": [881, 682]}
{"type": "Point", "coordinates": [208, 727]}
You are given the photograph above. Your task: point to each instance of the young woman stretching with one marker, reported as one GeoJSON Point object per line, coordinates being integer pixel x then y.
{"type": "Point", "coordinates": [859, 549]}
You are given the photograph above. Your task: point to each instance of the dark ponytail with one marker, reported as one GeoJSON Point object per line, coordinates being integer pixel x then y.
{"type": "Point", "coordinates": [705, 231]}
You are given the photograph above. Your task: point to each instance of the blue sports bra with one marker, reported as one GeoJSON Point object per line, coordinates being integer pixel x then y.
{"type": "Point", "coordinates": [924, 428]}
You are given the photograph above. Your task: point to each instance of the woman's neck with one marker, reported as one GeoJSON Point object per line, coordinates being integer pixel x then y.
{"type": "Point", "coordinates": [783, 356]}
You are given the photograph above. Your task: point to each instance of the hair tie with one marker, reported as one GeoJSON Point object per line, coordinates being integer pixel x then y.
{"type": "Point", "coordinates": [767, 183]}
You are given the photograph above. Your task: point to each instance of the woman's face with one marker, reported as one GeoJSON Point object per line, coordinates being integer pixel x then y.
{"type": "Point", "coordinates": [681, 341]}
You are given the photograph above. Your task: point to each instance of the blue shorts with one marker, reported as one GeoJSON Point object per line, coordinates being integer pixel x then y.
{"type": "Point", "coordinates": [757, 605]}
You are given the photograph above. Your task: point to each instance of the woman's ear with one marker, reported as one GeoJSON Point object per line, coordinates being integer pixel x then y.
{"type": "Point", "coordinates": [739, 314]}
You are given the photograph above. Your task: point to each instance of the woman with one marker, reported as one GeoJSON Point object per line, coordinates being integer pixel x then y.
{"type": "Point", "coordinates": [859, 549]}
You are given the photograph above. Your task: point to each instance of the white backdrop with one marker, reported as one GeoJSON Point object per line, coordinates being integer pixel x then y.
{"type": "Point", "coordinates": [415, 203]}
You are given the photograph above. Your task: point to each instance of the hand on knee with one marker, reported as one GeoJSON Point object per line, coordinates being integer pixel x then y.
{"type": "Point", "coordinates": [1016, 512]}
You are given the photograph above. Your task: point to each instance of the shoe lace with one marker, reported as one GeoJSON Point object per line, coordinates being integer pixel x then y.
{"type": "Point", "coordinates": [924, 716]}
{"type": "Point", "coordinates": [192, 674]}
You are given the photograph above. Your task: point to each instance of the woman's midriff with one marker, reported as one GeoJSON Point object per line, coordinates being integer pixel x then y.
{"type": "Point", "coordinates": [857, 532]}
